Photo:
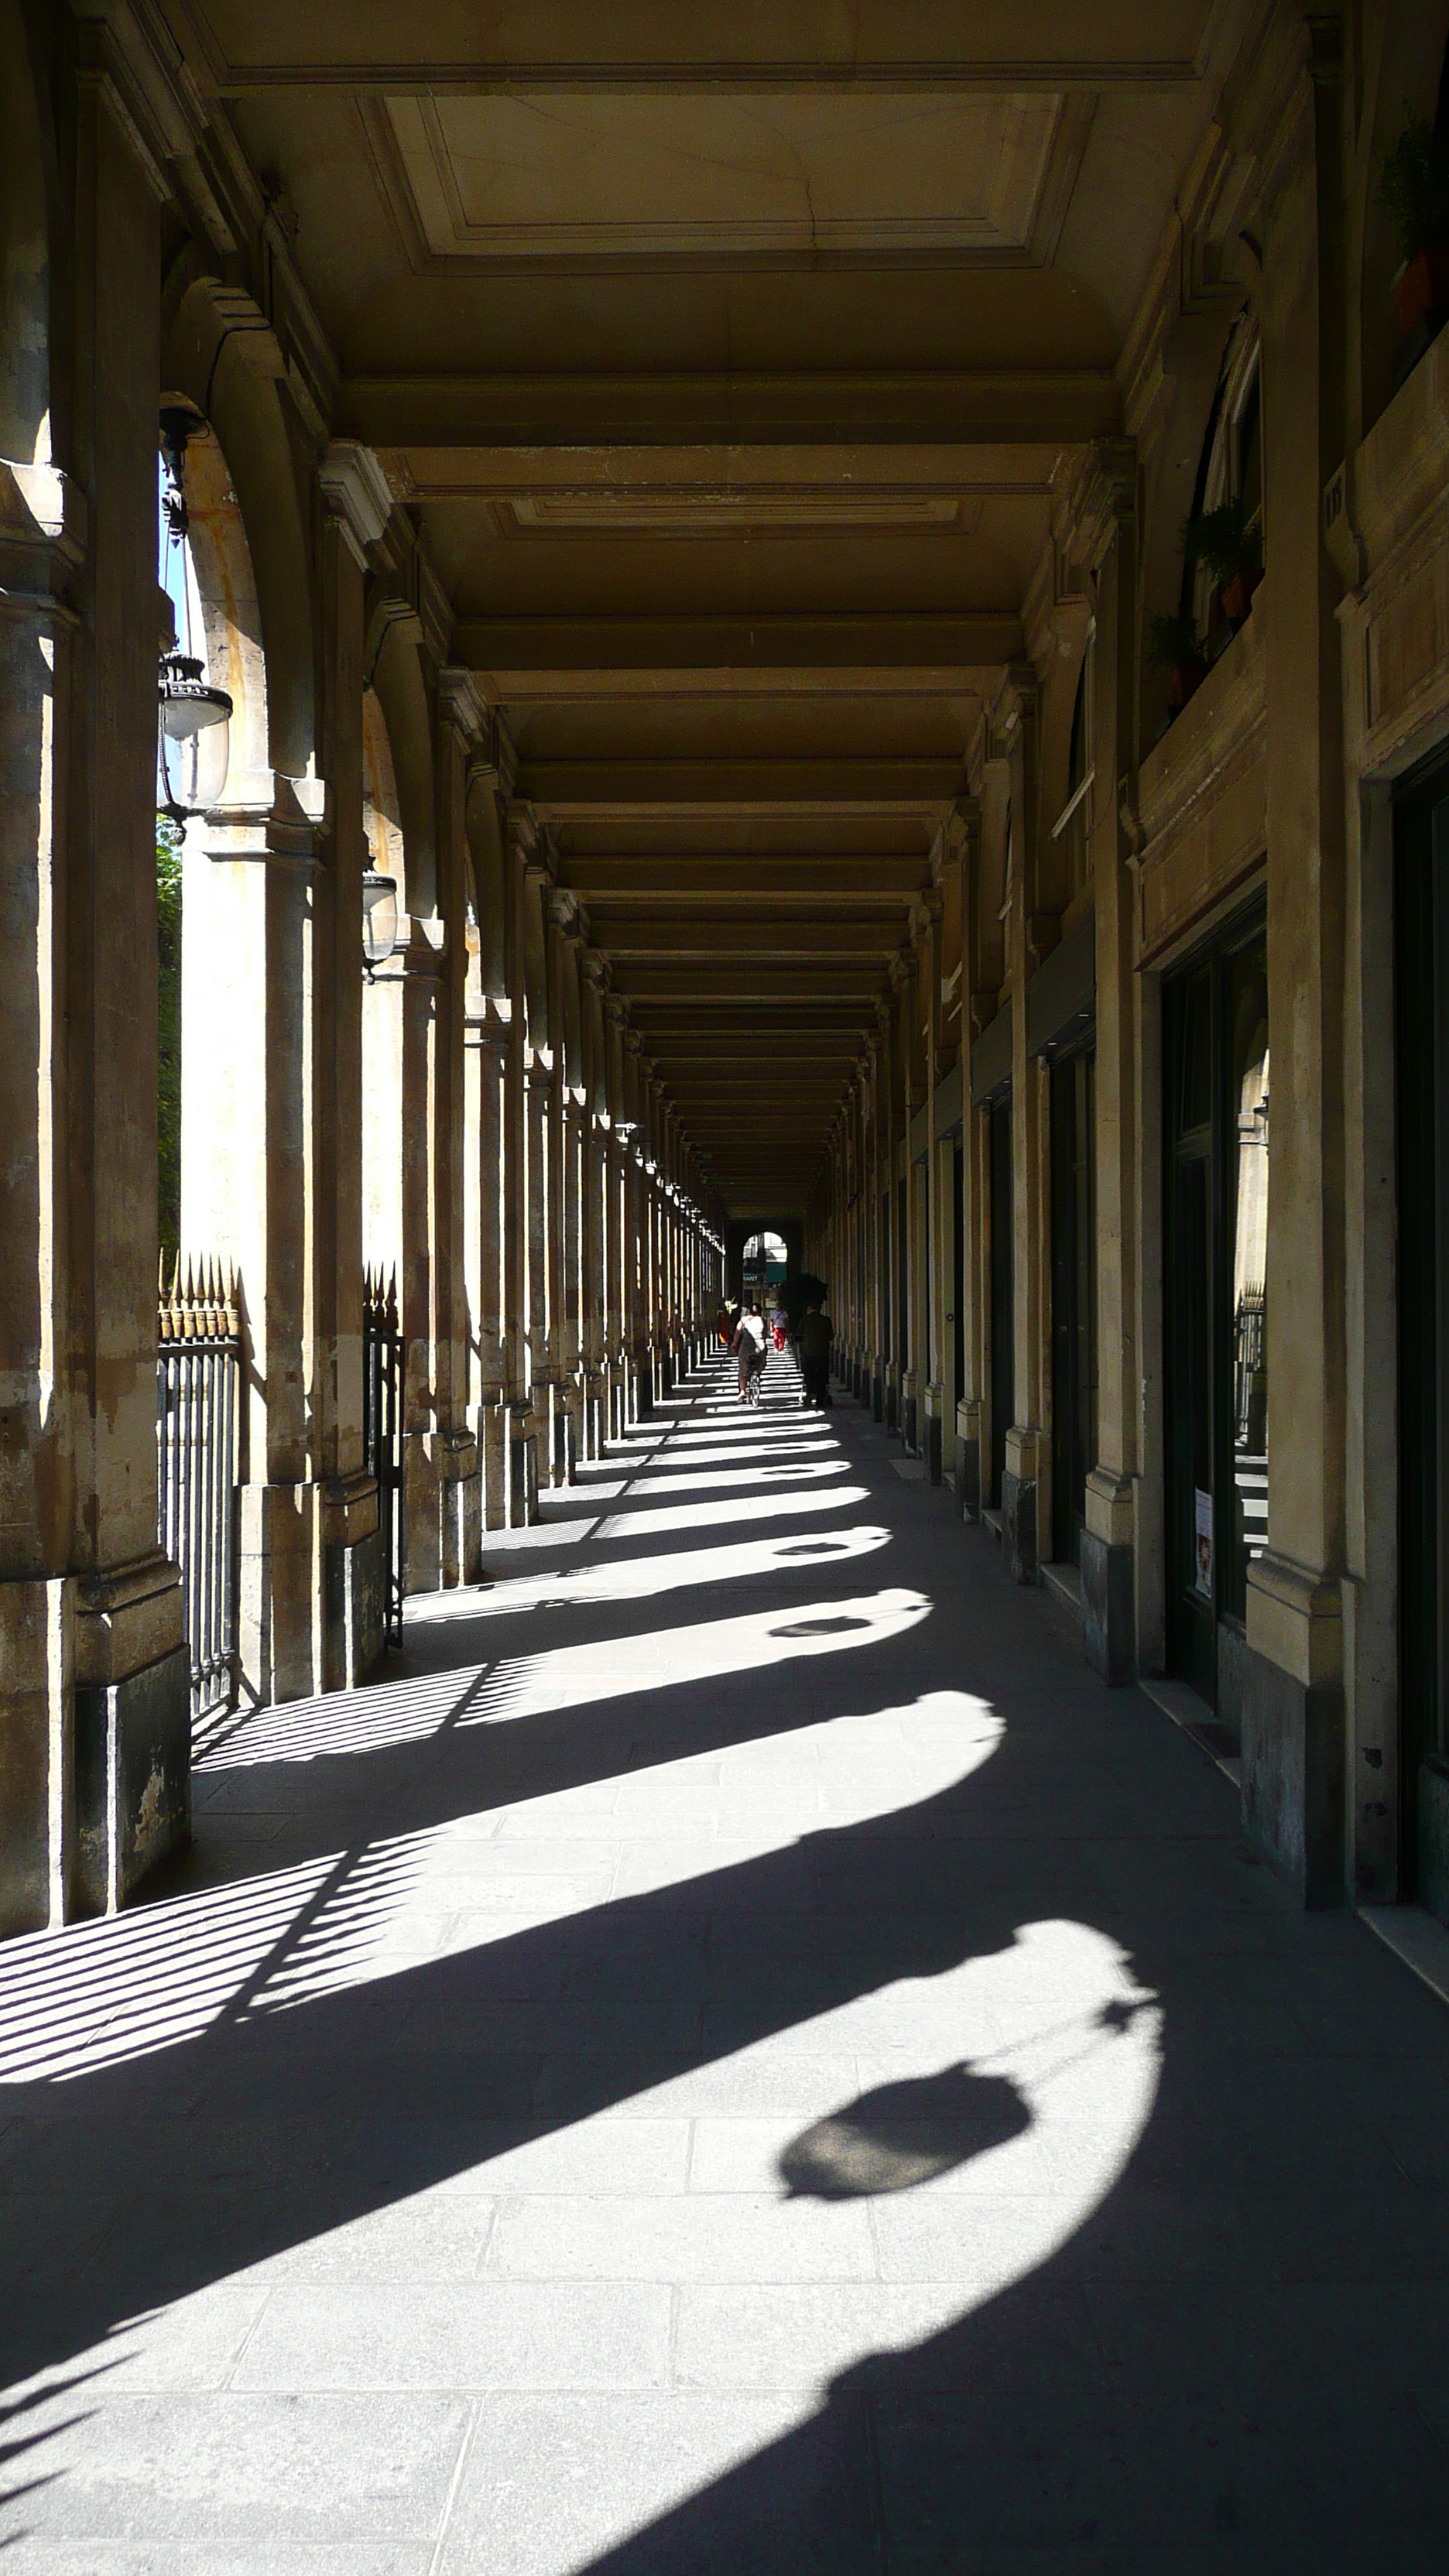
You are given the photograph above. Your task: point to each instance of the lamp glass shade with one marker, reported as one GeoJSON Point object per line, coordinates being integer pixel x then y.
{"type": "Point", "coordinates": [379, 917]}
{"type": "Point", "coordinates": [193, 736]}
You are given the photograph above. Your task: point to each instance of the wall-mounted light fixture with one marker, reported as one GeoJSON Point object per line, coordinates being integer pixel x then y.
{"type": "Point", "coordinates": [379, 919]}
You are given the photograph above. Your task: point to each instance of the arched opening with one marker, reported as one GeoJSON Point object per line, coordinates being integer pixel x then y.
{"type": "Point", "coordinates": [766, 1261]}
{"type": "Point", "coordinates": [205, 571]}
{"type": "Point", "coordinates": [382, 1014]}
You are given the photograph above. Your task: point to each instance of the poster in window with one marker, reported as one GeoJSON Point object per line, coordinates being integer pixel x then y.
{"type": "Point", "coordinates": [1203, 1544]}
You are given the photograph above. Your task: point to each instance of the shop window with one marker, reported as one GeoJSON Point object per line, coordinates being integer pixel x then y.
{"type": "Point", "coordinates": [1216, 1290]}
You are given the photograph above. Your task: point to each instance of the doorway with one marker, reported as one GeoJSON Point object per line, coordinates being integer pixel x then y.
{"type": "Point", "coordinates": [958, 1277]}
{"type": "Point", "coordinates": [1003, 1290]}
{"type": "Point", "coordinates": [1216, 1067]}
{"type": "Point", "coordinates": [1074, 1299]}
{"type": "Point", "coordinates": [1421, 928]}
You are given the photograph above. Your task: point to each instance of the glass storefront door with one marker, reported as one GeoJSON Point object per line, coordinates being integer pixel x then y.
{"type": "Point", "coordinates": [1003, 1291]}
{"type": "Point", "coordinates": [1215, 1289]}
{"type": "Point", "coordinates": [1421, 912]}
{"type": "Point", "coordinates": [1074, 1299]}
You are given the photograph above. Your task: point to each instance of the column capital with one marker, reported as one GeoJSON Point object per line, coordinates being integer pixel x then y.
{"type": "Point", "coordinates": [520, 828]}
{"type": "Point", "coordinates": [461, 706]}
{"type": "Point", "coordinates": [1093, 494]}
{"type": "Point", "coordinates": [356, 495]}
{"type": "Point", "coordinates": [1014, 704]}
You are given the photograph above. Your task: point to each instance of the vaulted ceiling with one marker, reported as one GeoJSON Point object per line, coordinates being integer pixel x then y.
{"type": "Point", "coordinates": [726, 349]}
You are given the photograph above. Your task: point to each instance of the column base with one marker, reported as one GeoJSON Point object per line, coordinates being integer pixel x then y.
{"type": "Point", "coordinates": [354, 1583]}
{"type": "Point", "coordinates": [132, 1778]}
{"type": "Point", "coordinates": [422, 1505]}
{"type": "Point", "coordinates": [966, 1472]}
{"type": "Point", "coordinates": [281, 1584]}
{"type": "Point", "coordinates": [596, 1413]}
{"type": "Point", "coordinates": [1292, 1716]}
{"type": "Point", "coordinates": [444, 1510]}
{"type": "Point", "coordinates": [641, 1385]}
{"type": "Point", "coordinates": [1109, 1604]}
{"type": "Point", "coordinates": [493, 1445]}
{"type": "Point", "coordinates": [934, 1431]}
{"type": "Point", "coordinates": [460, 1499]}
{"type": "Point", "coordinates": [37, 1769]}
{"type": "Point", "coordinates": [1019, 1505]}
{"type": "Point", "coordinates": [522, 1453]}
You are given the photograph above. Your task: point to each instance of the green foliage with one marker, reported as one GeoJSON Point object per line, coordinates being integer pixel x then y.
{"type": "Point", "coordinates": [168, 962]}
{"type": "Point", "coordinates": [1171, 640]}
{"type": "Point", "coordinates": [1224, 541]}
{"type": "Point", "coordinates": [1414, 189]}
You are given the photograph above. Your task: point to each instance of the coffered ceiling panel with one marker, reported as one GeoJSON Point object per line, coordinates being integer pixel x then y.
{"type": "Point", "coordinates": [623, 175]}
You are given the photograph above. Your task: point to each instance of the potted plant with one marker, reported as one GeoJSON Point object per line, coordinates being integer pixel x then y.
{"type": "Point", "coordinates": [1175, 646]}
{"type": "Point", "coordinates": [1414, 194]}
{"type": "Point", "coordinates": [1231, 546]}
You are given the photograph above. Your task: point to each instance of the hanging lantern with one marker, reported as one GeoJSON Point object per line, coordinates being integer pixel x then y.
{"type": "Point", "coordinates": [379, 919]}
{"type": "Point", "coordinates": [193, 737]}
{"type": "Point", "coordinates": [193, 732]}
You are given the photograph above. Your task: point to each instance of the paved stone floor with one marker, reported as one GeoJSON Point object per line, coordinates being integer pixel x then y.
{"type": "Point", "coordinates": [736, 2055]}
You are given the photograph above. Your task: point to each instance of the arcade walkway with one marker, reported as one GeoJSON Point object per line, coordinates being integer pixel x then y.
{"type": "Point", "coordinates": [739, 2055]}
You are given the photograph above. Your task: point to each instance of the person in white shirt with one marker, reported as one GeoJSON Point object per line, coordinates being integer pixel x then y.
{"type": "Point", "coordinates": [749, 1347]}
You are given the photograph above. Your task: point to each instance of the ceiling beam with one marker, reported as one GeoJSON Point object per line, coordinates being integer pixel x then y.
{"type": "Point", "coordinates": [784, 879]}
{"type": "Point", "coordinates": [751, 981]}
{"type": "Point", "coordinates": [902, 784]}
{"type": "Point", "coordinates": [733, 935]}
{"type": "Point", "coordinates": [528, 655]}
{"type": "Point", "coordinates": [1035, 406]}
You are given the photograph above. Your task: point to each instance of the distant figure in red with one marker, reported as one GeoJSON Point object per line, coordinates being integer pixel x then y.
{"type": "Point", "coordinates": [777, 1327]}
{"type": "Point", "coordinates": [724, 1326]}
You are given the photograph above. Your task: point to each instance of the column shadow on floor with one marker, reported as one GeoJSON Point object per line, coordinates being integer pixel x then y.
{"type": "Point", "coordinates": [1182, 2386]}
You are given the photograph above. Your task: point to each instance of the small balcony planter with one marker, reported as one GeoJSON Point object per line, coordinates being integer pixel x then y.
{"type": "Point", "coordinates": [1422, 286]}
{"type": "Point", "coordinates": [1414, 194]}
{"type": "Point", "coordinates": [1237, 595]}
{"type": "Point", "coordinates": [1230, 545]}
{"type": "Point", "coordinates": [1174, 646]}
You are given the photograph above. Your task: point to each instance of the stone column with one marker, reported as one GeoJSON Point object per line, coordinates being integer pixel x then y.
{"type": "Point", "coordinates": [889, 1264]}
{"type": "Point", "coordinates": [353, 1566]}
{"type": "Point", "coordinates": [521, 1452]}
{"type": "Point", "coordinates": [94, 1692]}
{"type": "Point", "coordinates": [1293, 1724]}
{"type": "Point", "coordinates": [462, 721]}
{"type": "Point", "coordinates": [876, 1169]}
{"type": "Point", "coordinates": [490, 1135]}
{"type": "Point", "coordinates": [1114, 1484]}
{"type": "Point", "coordinates": [1015, 715]}
{"type": "Point", "coordinates": [933, 1302]}
{"type": "Point", "coordinates": [493, 1206]}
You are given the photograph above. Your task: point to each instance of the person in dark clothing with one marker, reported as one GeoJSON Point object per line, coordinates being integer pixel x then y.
{"type": "Point", "coordinates": [815, 1339]}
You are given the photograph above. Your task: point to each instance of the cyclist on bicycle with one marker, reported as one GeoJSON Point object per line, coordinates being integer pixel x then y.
{"type": "Point", "coordinates": [749, 1348]}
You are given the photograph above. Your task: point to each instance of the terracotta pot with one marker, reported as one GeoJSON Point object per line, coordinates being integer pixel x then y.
{"type": "Point", "coordinates": [1182, 679]}
{"type": "Point", "coordinates": [1237, 595]}
{"type": "Point", "coordinates": [1422, 284]}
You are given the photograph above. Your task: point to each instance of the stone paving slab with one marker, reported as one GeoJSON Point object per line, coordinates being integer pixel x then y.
{"type": "Point", "coordinates": [736, 2056]}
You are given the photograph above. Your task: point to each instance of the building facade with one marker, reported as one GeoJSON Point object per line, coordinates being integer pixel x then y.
{"type": "Point", "coordinates": [837, 787]}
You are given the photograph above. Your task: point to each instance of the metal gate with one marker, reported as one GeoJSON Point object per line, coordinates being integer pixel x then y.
{"type": "Point", "coordinates": [198, 1431]}
{"type": "Point", "coordinates": [382, 1430]}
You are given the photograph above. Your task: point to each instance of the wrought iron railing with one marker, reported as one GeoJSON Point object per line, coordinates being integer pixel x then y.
{"type": "Point", "coordinates": [382, 1430]}
{"type": "Point", "coordinates": [198, 1437]}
